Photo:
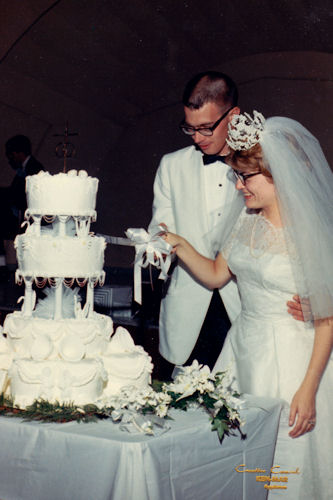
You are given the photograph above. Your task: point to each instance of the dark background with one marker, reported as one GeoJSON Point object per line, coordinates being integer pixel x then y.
{"type": "Point", "coordinates": [116, 70]}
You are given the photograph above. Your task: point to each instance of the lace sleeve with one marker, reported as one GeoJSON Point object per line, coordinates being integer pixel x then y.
{"type": "Point", "coordinates": [227, 247]}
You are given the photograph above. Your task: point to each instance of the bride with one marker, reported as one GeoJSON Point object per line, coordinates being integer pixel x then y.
{"type": "Point", "coordinates": [280, 242]}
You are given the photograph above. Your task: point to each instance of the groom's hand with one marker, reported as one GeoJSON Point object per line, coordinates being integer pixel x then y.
{"type": "Point", "coordinates": [299, 308]}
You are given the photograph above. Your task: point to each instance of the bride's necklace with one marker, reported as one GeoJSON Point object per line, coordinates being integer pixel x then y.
{"type": "Point", "coordinates": [267, 229]}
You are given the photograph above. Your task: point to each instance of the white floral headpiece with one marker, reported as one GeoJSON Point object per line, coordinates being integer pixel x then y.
{"type": "Point", "coordinates": [245, 131]}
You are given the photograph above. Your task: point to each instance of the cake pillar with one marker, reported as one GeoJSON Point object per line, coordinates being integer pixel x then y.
{"type": "Point", "coordinates": [28, 297]}
{"type": "Point", "coordinates": [58, 299]}
{"type": "Point", "coordinates": [62, 225]}
{"type": "Point", "coordinates": [37, 222]}
{"type": "Point", "coordinates": [90, 297]}
{"type": "Point", "coordinates": [82, 225]}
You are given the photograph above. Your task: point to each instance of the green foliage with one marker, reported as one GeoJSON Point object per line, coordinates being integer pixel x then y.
{"type": "Point", "coordinates": [44, 411]}
{"type": "Point", "coordinates": [157, 385]}
{"type": "Point", "coordinates": [221, 426]}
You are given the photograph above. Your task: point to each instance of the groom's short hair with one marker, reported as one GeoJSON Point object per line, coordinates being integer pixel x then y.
{"type": "Point", "coordinates": [210, 86]}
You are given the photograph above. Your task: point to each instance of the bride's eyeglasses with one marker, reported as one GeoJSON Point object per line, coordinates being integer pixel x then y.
{"type": "Point", "coordinates": [243, 177]}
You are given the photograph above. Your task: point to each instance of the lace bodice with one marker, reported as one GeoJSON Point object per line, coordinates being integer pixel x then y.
{"type": "Point", "coordinates": [258, 256]}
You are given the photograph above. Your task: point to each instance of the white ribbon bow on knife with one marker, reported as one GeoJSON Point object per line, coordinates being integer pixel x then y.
{"type": "Point", "coordinates": [150, 248]}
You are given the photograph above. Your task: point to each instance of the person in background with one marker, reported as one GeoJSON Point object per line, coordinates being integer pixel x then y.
{"type": "Point", "coordinates": [13, 198]}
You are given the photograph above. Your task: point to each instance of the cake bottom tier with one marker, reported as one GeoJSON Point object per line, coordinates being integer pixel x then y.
{"type": "Point", "coordinates": [60, 365]}
{"type": "Point", "coordinates": [57, 380]}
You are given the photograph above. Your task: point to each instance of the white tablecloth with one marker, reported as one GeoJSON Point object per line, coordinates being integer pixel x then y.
{"type": "Point", "coordinates": [98, 461]}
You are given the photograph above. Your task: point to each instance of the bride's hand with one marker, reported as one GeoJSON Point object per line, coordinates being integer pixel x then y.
{"type": "Point", "coordinates": [303, 412]}
{"type": "Point", "coordinates": [173, 239]}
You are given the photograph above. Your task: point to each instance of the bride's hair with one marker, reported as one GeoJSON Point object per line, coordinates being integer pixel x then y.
{"type": "Point", "coordinates": [249, 160]}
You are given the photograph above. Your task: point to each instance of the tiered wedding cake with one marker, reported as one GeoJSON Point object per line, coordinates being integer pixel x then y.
{"type": "Point", "coordinates": [59, 350]}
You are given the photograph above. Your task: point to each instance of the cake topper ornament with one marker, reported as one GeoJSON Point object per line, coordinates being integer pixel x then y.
{"type": "Point", "coordinates": [245, 131]}
{"type": "Point", "coordinates": [65, 149]}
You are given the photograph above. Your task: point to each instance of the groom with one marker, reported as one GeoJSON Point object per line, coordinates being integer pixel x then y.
{"type": "Point", "coordinates": [191, 189]}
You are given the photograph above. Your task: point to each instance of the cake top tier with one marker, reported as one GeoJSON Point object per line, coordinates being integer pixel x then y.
{"type": "Point", "coordinates": [71, 193]}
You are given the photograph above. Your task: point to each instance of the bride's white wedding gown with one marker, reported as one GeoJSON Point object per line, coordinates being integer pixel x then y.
{"type": "Point", "coordinates": [268, 354]}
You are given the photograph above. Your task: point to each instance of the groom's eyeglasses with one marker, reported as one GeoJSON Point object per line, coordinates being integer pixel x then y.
{"type": "Point", "coordinates": [188, 130]}
{"type": "Point", "coordinates": [243, 177]}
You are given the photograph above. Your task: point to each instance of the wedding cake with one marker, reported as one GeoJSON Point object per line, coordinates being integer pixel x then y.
{"type": "Point", "coordinates": [59, 349]}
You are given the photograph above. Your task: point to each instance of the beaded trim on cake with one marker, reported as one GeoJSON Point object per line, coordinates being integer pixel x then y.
{"type": "Point", "coordinates": [31, 211]}
{"type": "Point", "coordinates": [94, 278]}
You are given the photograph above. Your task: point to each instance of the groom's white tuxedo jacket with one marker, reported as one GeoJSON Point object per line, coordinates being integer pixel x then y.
{"type": "Point", "coordinates": [181, 192]}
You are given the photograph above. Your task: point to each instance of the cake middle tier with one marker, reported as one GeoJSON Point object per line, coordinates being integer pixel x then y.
{"type": "Point", "coordinates": [66, 257]}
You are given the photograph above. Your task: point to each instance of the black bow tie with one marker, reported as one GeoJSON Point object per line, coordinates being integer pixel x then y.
{"type": "Point", "coordinates": [208, 159]}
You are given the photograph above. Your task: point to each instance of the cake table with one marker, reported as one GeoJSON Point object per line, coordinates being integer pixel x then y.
{"type": "Point", "coordinates": [98, 461]}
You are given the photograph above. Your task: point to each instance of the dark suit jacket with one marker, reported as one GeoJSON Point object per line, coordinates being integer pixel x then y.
{"type": "Point", "coordinates": [17, 188]}
{"type": "Point", "coordinates": [13, 201]}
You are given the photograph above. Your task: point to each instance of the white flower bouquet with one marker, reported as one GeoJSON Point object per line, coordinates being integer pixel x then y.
{"type": "Point", "coordinates": [194, 386]}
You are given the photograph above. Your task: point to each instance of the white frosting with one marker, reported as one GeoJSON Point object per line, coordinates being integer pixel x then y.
{"type": "Point", "coordinates": [48, 256]}
{"type": "Point", "coordinates": [72, 348]}
{"type": "Point", "coordinates": [121, 342]}
{"type": "Point", "coordinates": [127, 369]}
{"type": "Point", "coordinates": [56, 381]}
{"type": "Point", "coordinates": [6, 354]}
{"type": "Point", "coordinates": [41, 348]}
{"type": "Point", "coordinates": [3, 380]}
{"type": "Point", "coordinates": [126, 363]}
{"type": "Point", "coordinates": [71, 193]}
{"type": "Point", "coordinates": [93, 332]}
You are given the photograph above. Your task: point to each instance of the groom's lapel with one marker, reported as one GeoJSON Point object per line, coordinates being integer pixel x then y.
{"type": "Point", "coordinates": [200, 216]}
